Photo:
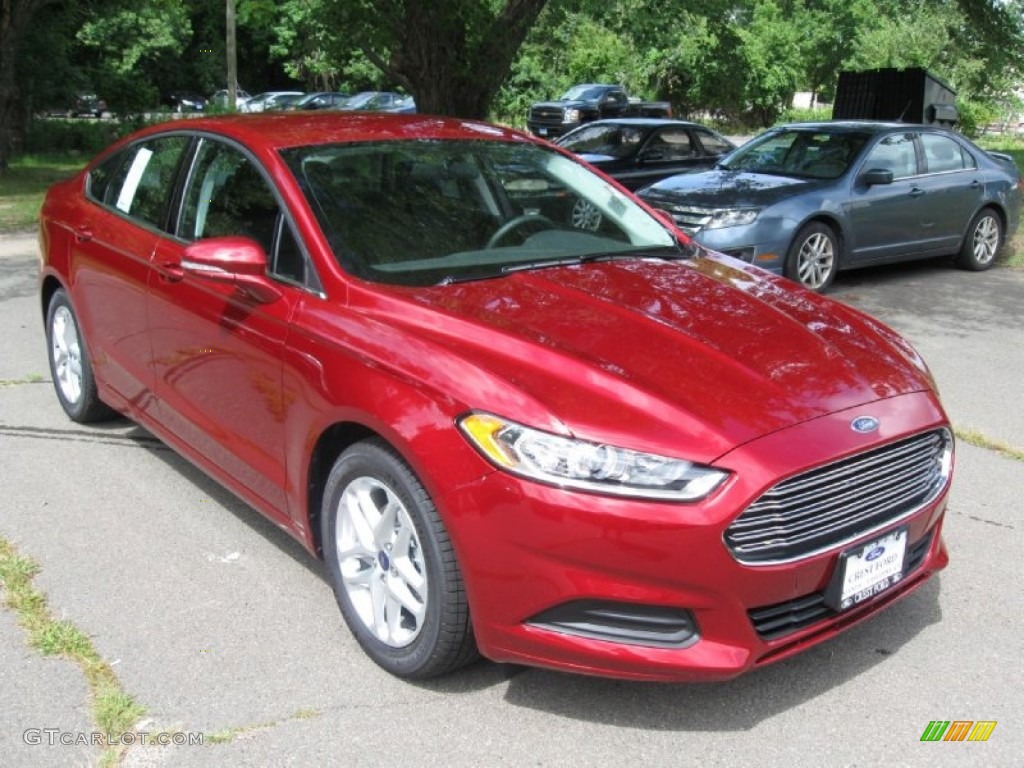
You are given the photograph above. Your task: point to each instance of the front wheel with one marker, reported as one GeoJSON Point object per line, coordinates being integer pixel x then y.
{"type": "Point", "coordinates": [70, 366]}
{"type": "Point", "coordinates": [813, 258]}
{"type": "Point", "coordinates": [392, 565]}
{"type": "Point", "coordinates": [983, 240]}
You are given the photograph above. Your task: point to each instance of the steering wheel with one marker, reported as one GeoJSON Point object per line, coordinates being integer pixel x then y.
{"type": "Point", "coordinates": [518, 221]}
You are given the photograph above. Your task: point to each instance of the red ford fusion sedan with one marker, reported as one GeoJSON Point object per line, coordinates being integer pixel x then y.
{"type": "Point", "coordinates": [602, 449]}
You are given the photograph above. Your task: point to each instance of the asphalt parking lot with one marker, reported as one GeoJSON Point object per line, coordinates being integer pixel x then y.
{"type": "Point", "coordinates": [219, 624]}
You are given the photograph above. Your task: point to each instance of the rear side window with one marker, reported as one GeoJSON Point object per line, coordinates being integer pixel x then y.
{"type": "Point", "coordinates": [713, 145]}
{"type": "Point", "coordinates": [944, 154]}
{"type": "Point", "coordinates": [139, 181]}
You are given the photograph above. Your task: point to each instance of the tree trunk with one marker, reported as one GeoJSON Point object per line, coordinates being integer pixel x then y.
{"type": "Point", "coordinates": [15, 16]}
{"type": "Point", "coordinates": [451, 62]}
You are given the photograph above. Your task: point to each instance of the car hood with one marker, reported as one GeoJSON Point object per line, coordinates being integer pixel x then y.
{"type": "Point", "coordinates": [699, 355]}
{"type": "Point", "coordinates": [735, 189]}
{"type": "Point", "coordinates": [574, 104]}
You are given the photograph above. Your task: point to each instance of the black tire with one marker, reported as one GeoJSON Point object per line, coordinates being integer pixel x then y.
{"type": "Point", "coordinates": [70, 366]}
{"type": "Point", "coordinates": [813, 257]}
{"type": "Point", "coordinates": [408, 560]}
{"type": "Point", "coordinates": [982, 242]}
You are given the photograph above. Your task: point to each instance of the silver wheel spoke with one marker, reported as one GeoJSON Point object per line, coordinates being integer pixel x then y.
{"type": "Point", "coordinates": [815, 260]}
{"type": "Point", "coordinates": [380, 559]}
{"type": "Point", "coordinates": [67, 355]}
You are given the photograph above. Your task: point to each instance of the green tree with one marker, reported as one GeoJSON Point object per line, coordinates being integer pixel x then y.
{"type": "Point", "coordinates": [15, 18]}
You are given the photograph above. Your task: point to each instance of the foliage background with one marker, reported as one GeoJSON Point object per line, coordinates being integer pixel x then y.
{"type": "Point", "coordinates": [734, 63]}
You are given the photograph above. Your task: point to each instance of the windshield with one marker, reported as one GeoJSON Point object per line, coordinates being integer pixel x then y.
{"type": "Point", "coordinates": [612, 140]}
{"type": "Point", "coordinates": [424, 212]}
{"type": "Point", "coordinates": [807, 154]}
{"type": "Point", "coordinates": [583, 93]}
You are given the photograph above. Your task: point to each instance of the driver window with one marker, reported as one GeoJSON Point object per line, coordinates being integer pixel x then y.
{"type": "Point", "coordinates": [226, 196]}
{"type": "Point", "coordinates": [894, 153]}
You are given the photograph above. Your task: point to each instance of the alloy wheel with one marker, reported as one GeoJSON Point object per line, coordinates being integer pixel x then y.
{"type": "Point", "coordinates": [816, 260]}
{"type": "Point", "coordinates": [381, 561]}
{"type": "Point", "coordinates": [66, 349]}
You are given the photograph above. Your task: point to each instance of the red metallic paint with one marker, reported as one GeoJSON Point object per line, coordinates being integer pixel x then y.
{"type": "Point", "coordinates": [707, 359]}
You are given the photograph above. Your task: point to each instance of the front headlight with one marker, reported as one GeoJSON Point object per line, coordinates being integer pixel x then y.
{"type": "Point", "coordinates": [732, 217]}
{"type": "Point", "coordinates": [571, 116]}
{"type": "Point", "coordinates": [586, 466]}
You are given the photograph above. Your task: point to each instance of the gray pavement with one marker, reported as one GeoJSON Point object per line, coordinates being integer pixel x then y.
{"type": "Point", "coordinates": [218, 623]}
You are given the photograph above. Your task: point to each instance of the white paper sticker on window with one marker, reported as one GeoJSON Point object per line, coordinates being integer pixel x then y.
{"type": "Point", "coordinates": [131, 182]}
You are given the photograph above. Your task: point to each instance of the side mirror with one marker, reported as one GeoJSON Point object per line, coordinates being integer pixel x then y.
{"type": "Point", "coordinates": [239, 261]}
{"type": "Point", "coordinates": [873, 176]}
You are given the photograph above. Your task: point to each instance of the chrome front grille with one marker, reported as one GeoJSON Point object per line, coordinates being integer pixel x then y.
{"type": "Point", "coordinates": [691, 219]}
{"type": "Point", "coordinates": [836, 503]}
{"type": "Point", "coordinates": [549, 115]}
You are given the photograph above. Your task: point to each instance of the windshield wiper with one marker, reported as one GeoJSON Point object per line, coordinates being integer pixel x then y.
{"type": "Point", "coordinates": [666, 253]}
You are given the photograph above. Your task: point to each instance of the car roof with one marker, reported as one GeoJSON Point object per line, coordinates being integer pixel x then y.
{"type": "Point", "coordinates": [279, 130]}
{"type": "Point", "coordinates": [858, 126]}
{"type": "Point", "coordinates": [643, 121]}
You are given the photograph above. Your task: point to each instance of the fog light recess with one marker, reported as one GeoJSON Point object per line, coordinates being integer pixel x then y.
{"type": "Point", "coordinates": [650, 625]}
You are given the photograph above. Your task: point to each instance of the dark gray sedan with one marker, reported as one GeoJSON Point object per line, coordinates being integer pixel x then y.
{"type": "Point", "coordinates": [637, 151]}
{"type": "Point", "coordinates": [808, 199]}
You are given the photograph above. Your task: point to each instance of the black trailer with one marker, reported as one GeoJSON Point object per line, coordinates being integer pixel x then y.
{"type": "Point", "coordinates": [906, 95]}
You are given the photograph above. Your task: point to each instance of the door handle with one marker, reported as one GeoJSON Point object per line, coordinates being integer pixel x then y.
{"type": "Point", "coordinates": [171, 271]}
{"type": "Point", "coordinates": [916, 191]}
{"type": "Point", "coordinates": [83, 235]}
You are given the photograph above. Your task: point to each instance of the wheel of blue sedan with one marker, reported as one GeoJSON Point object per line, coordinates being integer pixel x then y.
{"type": "Point", "coordinates": [70, 367]}
{"type": "Point", "coordinates": [392, 565]}
{"type": "Point", "coordinates": [813, 257]}
{"type": "Point", "coordinates": [983, 240]}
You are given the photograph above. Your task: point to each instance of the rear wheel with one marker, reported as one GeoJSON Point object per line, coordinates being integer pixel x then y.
{"type": "Point", "coordinates": [392, 565]}
{"type": "Point", "coordinates": [70, 366]}
{"type": "Point", "coordinates": [813, 258]}
{"type": "Point", "coordinates": [983, 240]}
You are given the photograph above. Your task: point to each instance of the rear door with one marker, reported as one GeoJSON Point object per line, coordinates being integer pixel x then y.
{"type": "Point", "coordinates": [953, 191]}
{"type": "Point", "coordinates": [128, 198]}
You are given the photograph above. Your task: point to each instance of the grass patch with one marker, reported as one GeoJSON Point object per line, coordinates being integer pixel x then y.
{"type": "Point", "coordinates": [979, 439]}
{"type": "Point", "coordinates": [25, 184]}
{"type": "Point", "coordinates": [114, 711]}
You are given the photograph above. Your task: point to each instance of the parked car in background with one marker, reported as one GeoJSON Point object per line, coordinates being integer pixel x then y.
{"type": "Point", "coordinates": [377, 101]}
{"type": "Point", "coordinates": [220, 98]}
{"type": "Point", "coordinates": [606, 451]}
{"type": "Point", "coordinates": [809, 199]}
{"type": "Point", "coordinates": [319, 100]}
{"type": "Point", "coordinates": [87, 105]}
{"type": "Point", "coordinates": [586, 103]}
{"type": "Point", "coordinates": [282, 103]}
{"type": "Point", "coordinates": [637, 151]}
{"type": "Point", "coordinates": [270, 100]}
{"type": "Point", "coordinates": [185, 101]}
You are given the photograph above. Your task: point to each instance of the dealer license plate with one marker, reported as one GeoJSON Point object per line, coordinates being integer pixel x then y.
{"type": "Point", "coordinates": [867, 570]}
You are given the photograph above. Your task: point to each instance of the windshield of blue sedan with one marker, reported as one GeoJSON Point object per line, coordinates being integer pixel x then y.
{"type": "Point", "coordinates": [806, 154]}
{"type": "Point", "coordinates": [426, 212]}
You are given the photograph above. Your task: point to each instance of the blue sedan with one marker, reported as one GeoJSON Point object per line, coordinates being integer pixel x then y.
{"type": "Point", "coordinates": [807, 200]}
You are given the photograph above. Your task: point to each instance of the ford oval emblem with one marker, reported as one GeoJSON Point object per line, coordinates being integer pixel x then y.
{"type": "Point", "coordinates": [874, 554]}
{"type": "Point", "coordinates": [865, 424]}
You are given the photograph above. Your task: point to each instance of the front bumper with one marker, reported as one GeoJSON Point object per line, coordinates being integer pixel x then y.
{"type": "Point", "coordinates": [532, 554]}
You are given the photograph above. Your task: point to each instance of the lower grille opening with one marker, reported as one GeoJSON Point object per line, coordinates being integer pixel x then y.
{"type": "Point", "coordinates": [650, 625]}
{"type": "Point", "coordinates": [774, 621]}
